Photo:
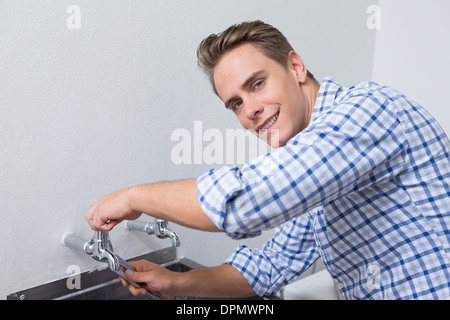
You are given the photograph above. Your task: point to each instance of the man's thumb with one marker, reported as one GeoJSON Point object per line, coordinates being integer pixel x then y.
{"type": "Point", "coordinates": [132, 275]}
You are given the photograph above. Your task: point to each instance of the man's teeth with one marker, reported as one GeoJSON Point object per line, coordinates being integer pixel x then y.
{"type": "Point", "coordinates": [270, 122]}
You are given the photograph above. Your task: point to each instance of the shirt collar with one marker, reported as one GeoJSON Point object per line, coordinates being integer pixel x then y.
{"type": "Point", "coordinates": [326, 96]}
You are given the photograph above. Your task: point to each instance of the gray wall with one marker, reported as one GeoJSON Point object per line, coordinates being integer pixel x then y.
{"type": "Point", "coordinates": [88, 111]}
{"type": "Point", "coordinates": [412, 53]}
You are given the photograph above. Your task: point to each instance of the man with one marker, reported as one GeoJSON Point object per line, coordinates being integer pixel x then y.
{"type": "Point", "coordinates": [362, 179]}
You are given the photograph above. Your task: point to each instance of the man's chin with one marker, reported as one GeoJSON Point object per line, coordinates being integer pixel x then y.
{"type": "Point", "coordinates": [273, 138]}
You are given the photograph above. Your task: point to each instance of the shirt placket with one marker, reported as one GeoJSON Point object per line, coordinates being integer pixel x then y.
{"type": "Point", "coordinates": [319, 234]}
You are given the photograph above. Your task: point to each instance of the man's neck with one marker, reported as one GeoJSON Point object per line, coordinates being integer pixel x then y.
{"type": "Point", "coordinates": [312, 89]}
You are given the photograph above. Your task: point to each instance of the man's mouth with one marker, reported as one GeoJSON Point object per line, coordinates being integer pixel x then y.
{"type": "Point", "coordinates": [269, 123]}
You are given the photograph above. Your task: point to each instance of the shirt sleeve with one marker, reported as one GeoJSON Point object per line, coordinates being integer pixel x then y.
{"type": "Point", "coordinates": [281, 260]}
{"type": "Point", "coordinates": [353, 145]}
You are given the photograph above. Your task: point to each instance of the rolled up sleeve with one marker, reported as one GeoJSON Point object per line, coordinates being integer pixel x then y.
{"type": "Point", "coordinates": [281, 260]}
{"type": "Point", "coordinates": [214, 189]}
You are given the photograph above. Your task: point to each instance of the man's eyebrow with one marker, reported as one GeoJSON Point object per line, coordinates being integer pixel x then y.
{"type": "Point", "coordinates": [252, 78]}
{"type": "Point", "coordinates": [246, 84]}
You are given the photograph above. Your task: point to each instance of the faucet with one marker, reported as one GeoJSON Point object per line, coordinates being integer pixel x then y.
{"type": "Point", "coordinates": [159, 228]}
{"type": "Point", "coordinates": [99, 248]}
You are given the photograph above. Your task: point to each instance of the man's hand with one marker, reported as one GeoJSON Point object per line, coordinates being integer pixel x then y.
{"type": "Point", "coordinates": [158, 279]}
{"type": "Point", "coordinates": [110, 210]}
{"type": "Point", "coordinates": [220, 281]}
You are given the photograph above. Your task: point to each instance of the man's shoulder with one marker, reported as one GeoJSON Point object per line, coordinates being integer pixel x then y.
{"type": "Point", "coordinates": [367, 89]}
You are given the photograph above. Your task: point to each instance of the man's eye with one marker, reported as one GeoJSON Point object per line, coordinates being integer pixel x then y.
{"type": "Point", "coordinates": [237, 104]}
{"type": "Point", "coordinates": [258, 84]}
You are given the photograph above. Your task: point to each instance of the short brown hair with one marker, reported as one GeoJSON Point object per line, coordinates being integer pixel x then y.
{"type": "Point", "coordinates": [269, 40]}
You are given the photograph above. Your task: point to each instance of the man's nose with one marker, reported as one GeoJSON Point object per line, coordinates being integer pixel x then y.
{"type": "Point", "coordinates": [253, 108]}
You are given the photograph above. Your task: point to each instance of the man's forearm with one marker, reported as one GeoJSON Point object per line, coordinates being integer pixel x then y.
{"type": "Point", "coordinates": [174, 201]}
{"type": "Point", "coordinates": [220, 281]}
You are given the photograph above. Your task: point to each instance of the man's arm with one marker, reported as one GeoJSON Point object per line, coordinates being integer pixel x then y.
{"type": "Point", "coordinates": [175, 201]}
{"type": "Point", "coordinates": [220, 281]}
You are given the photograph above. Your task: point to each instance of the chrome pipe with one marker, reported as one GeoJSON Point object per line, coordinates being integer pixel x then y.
{"type": "Point", "coordinates": [75, 242]}
{"type": "Point", "coordinates": [159, 228]}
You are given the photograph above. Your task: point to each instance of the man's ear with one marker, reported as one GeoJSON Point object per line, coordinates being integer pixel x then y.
{"type": "Point", "coordinates": [296, 64]}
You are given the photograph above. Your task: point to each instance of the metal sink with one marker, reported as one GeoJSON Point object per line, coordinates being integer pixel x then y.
{"type": "Point", "coordinates": [104, 284]}
{"type": "Point", "coordinates": [114, 290]}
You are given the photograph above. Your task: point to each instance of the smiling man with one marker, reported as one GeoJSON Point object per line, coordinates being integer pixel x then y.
{"type": "Point", "coordinates": [266, 95]}
{"type": "Point", "coordinates": [362, 180]}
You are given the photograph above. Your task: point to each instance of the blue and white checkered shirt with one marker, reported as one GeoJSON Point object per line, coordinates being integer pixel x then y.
{"type": "Point", "coordinates": [366, 186]}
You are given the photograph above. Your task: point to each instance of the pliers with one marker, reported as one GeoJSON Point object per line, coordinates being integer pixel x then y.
{"type": "Point", "coordinates": [100, 248]}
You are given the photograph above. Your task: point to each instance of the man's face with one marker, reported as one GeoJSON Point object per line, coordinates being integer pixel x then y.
{"type": "Point", "coordinates": [266, 97]}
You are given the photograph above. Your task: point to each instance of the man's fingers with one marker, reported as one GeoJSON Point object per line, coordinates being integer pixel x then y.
{"type": "Point", "coordinates": [134, 291]}
{"type": "Point", "coordinates": [135, 276]}
{"type": "Point", "coordinates": [137, 291]}
{"type": "Point", "coordinates": [141, 265]}
{"type": "Point", "coordinates": [142, 275]}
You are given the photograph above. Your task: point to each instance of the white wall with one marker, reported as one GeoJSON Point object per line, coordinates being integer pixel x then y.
{"type": "Point", "coordinates": [88, 111]}
{"type": "Point", "coordinates": [412, 53]}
